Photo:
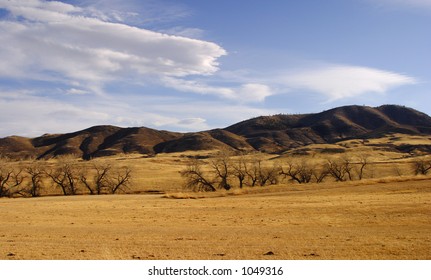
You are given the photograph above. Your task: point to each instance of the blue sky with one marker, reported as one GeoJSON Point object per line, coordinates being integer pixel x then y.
{"type": "Point", "coordinates": [192, 65]}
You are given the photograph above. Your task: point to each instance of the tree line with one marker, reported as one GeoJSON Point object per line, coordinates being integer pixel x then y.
{"type": "Point", "coordinates": [67, 176]}
{"type": "Point", "coordinates": [225, 172]}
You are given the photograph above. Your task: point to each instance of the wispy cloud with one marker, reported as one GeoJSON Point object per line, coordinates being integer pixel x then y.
{"type": "Point", "coordinates": [343, 81]}
{"type": "Point", "coordinates": [57, 40]}
{"type": "Point", "coordinates": [189, 32]}
{"type": "Point", "coordinates": [135, 12]}
{"type": "Point", "coordinates": [243, 93]}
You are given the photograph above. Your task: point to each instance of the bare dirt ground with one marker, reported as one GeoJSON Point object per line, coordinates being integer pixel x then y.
{"type": "Point", "coordinates": [358, 220]}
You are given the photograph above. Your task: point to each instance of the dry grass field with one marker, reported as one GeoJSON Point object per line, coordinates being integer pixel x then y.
{"type": "Point", "coordinates": [352, 220]}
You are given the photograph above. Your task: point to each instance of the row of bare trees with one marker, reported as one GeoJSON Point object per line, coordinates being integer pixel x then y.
{"type": "Point", "coordinates": [68, 176]}
{"type": "Point", "coordinates": [339, 169]}
{"type": "Point", "coordinates": [224, 172]}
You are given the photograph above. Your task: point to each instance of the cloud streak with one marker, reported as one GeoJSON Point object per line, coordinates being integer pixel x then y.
{"type": "Point", "coordinates": [342, 81]}
{"type": "Point", "coordinates": [244, 93]}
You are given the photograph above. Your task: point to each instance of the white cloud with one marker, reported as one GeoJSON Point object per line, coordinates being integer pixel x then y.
{"type": "Point", "coordinates": [136, 12]}
{"type": "Point", "coordinates": [245, 93]}
{"type": "Point", "coordinates": [77, 91]}
{"type": "Point", "coordinates": [253, 92]}
{"type": "Point", "coordinates": [216, 114]}
{"type": "Point", "coordinates": [188, 32]}
{"type": "Point", "coordinates": [196, 87]}
{"type": "Point", "coordinates": [54, 40]}
{"type": "Point", "coordinates": [25, 113]}
{"type": "Point", "coordinates": [341, 81]}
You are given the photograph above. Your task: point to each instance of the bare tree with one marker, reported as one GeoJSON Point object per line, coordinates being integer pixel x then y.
{"type": "Point", "coordinates": [268, 174]}
{"type": "Point", "coordinates": [101, 181]}
{"type": "Point", "coordinates": [253, 171]}
{"type": "Point", "coordinates": [363, 162]}
{"type": "Point", "coordinates": [222, 170]}
{"type": "Point", "coordinates": [321, 173]}
{"type": "Point", "coordinates": [297, 171]}
{"type": "Point", "coordinates": [195, 178]}
{"type": "Point", "coordinates": [120, 180]}
{"type": "Point", "coordinates": [421, 166]}
{"type": "Point", "coordinates": [65, 176]}
{"type": "Point", "coordinates": [36, 172]}
{"type": "Point", "coordinates": [10, 180]}
{"type": "Point", "coordinates": [348, 167]}
{"type": "Point", "coordinates": [240, 170]}
{"type": "Point", "coordinates": [340, 169]}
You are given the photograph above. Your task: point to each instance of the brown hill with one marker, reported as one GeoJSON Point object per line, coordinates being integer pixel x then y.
{"type": "Point", "coordinates": [273, 134]}
{"type": "Point", "coordinates": [283, 132]}
{"type": "Point", "coordinates": [217, 139]}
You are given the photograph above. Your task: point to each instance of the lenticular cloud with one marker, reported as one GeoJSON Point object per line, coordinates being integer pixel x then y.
{"type": "Point", "coordinates": [53, 40]}
{"type": "Point", "coordinates": [342, 81]}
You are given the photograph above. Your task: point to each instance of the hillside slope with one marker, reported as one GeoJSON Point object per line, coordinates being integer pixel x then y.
{"type": "Point", "coordinates": [272, 134]}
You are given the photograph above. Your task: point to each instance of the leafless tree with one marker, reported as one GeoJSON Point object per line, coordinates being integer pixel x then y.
{"type": "Point", "coordinates": [222, 170]}
{"type": "Point", "coordinates": [363, 162]}
{"type": "Point", "coordinates": [253, 171]}
{"type": "Point", "coordinates": [10, 181]}
{"type": "Point", "coordinates": [120, 180]}
{"type": "Point", "coordinates": [240, 170]}
{"type": "Point", "coordinates": [65, 176]}
{"type": "Point", "coordinates": [268, 174]}
{"type": "Point", "coordinates": [348, 167]}
{"type": "Point", "coordinates": [299, 172]}
{"type": "Point", "coordinates": [320, 173]}
{"type": "Point", "coordinates": [195, 177]}
{"type": "Point", "coordinates": [100, 182]}
{"type": "Point", "coordinates": [36, 172]}
{"type": "Point", "coordinates": [421, 166]}
{"type": "Point", "coordinates": [340, 169]}
{"type": "Point", "coordinates": [10, 178]}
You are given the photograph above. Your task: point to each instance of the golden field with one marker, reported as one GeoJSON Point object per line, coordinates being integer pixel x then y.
{"type": "Point", "coordinates": [341, 221]}
{"type": "Point", "coordinates": [386, 215]}
{"type": "Point", "coordinates": [372, 219]}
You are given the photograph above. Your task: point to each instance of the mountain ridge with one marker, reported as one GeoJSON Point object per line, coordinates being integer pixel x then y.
{"type": "Point", "coordinates": [271, 134]}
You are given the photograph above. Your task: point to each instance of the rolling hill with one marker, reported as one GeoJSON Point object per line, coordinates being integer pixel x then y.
{"type": "Point", "coordinates": [271, 134]}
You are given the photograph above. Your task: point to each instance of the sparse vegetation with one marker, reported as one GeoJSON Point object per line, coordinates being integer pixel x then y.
{"type": "Point", "coordinates": [35, 171]}
{"type": "Point", "coordinates": [65, 176]}
{"type": "Point", "coordinates": [196, 178]}
{"type": "Point", "coordinates": [223, 170]}
{"type": "Point", "coordinates": [10, 179]}
{"type": "Point", "coordinates": [211, 171]}
{"type": "Point", "coordinates": [340, 169]}
{"type": "Point", "coordinates": [300, 172]}
{"type": "Point", "coordinates": [421, 166]}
